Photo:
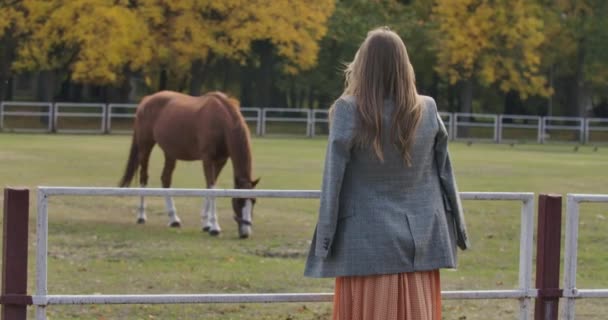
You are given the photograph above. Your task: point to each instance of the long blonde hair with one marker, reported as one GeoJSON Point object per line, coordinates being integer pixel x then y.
{"type": "Point", "coordinates": [382, 70]}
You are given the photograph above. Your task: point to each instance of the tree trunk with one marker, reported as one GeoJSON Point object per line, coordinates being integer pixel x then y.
{"type": "Point", "coordinates": [8, 95]}
{"type": "Point", "coordinates": [583, 92]}
{"type": "Point", "coordinates": [162, 80]}
{"type": "Point", "coordinates": [247, 78]}
{"type": "Point", "coordinates": [552, 86]}
{"type": "Point", "coordinates": [434, 90]}
{"type": "Point", "coordinates": [465, 95]}
{"type": "Point", "coordinates": [64, 89]}
{"type": "Point", "coordinates": [264, 79]}
{"type": "Point", "coordinates": [466, 103]}
{"type": "Point", "coordinates": [7, 55]}
{"type": "Point", "coordinates": [196, 77]}
{"type": "Point", "coordinates": [124, 91]}
{"type": "Point", "coordinates": [293, 93]}
{"type": "Point", "coordinates": [45, 88]}
{"type": "Point", "coordinates": [311, 97]}
{"type": "Point", "coordinates": [453, 102]}
{"type": "Point", "coordinates": [513, 103]}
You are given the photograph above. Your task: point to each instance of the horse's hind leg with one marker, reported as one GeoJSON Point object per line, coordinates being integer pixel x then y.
{"type": "Point", "coordinates": [174, 220]}
{"type": "Point", "coordinates": [209, 212]}
{"type": "Point", "coordinates": [144, 158]}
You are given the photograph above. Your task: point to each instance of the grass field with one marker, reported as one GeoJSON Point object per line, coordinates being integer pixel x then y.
{"type": "Point", "coordinates": [95, 246]}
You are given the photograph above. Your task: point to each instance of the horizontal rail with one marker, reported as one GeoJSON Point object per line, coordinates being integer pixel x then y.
{"type": "Point", "coordinates": [563, 127]}
{"type": "Point", "coordinates": [582, 197]}
{"type": "Point", "coordinates": [301, 110]}
{"type": "Point", "coordinates": [248, 298]}
{"type": "Point", "coordinates": [476, 124]}
{"type": "Point", "coordinates": [281, 119]}
{"type": "Point", "coordinates": [243, 193]}
{"type": "Point", "coordinates": [591, 293]}
{"type": "Point", "coordinates": [521, 117]}
{"type": "Point", "coordinates": [552, 118]}
{"type": "Point", "coordinates": [80, 114]}
{"type": "Point", "coordinates": [161, 192]}
{"type": "Point", "coordinates": [26, 113]}
{"type": "Point", "coordinates": [181, 298]}
{"type": "Point", "coordinates": [122, 115]}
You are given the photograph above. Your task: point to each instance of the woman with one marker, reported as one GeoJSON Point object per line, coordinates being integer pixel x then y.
{"type": "Point", "coordinates": [390, 216]}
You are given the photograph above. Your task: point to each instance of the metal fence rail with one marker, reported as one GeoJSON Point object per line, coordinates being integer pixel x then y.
{"type": "Point", "coordinates": [42, 298]}
{"type": "Point", "coordinates": [589, 127]}
{"type": "Point", "coordinates": [578, 126]}
{"type": "Point", "coordinates": [571, 292]}
{"type": "Point", "coordinates": [316, 119]}
{"type": "Point", "coordinates": [448, 121]}
{"type": "Point", "coordinates": [38, 114]}
{"type": "Point", "coordinates": [468, 123]}
{"type": "Point", "coordinates": [257, 118]}
{"type": "Point", "coordinates": [102, 115]}
{"type": "Point", "coordinates": [112, 115]}
{"type": "Point", "coordinates": [502, 125]}
{"type": "Point", "coordinates": [496, 124]}
{"type": "Point", "coordinates": [305, 112]}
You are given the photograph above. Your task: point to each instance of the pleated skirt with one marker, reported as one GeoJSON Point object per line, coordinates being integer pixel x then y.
{"type": "Point", "coordinates": [401, 296]}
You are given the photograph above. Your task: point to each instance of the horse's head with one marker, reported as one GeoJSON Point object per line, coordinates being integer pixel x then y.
{"type": "Point", "coordinates": [243, 207]}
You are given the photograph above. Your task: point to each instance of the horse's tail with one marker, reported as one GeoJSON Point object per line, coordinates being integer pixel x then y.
{"type": "Point", "coordinates": [132, 164]}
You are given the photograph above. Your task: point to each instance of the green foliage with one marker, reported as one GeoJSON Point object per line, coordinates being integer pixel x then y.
{"type": "Point", "coordinates": [348, 28]}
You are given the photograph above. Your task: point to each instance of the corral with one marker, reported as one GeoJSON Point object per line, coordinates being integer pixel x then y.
{"type": "Point", "coordinates": [95, 247]}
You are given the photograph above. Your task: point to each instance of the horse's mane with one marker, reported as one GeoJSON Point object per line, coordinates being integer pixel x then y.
{"type": "Point", "coordinates": [231, 106]}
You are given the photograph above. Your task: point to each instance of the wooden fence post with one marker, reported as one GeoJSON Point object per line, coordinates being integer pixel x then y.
{"type": "Point", "coordinates": [548, 257]}
{"type": "Point", "coordinates": [14, 298]}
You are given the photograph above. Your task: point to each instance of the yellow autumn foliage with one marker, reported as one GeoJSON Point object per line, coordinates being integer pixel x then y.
{"type": "Point", "coordinates": [98, 39]}
{"type": "Point", "coordinates": [495, 41]}
{"type": "Point", "coordinates": [95, 39]}
{"type": "Point", "coordinates": [184, 31]}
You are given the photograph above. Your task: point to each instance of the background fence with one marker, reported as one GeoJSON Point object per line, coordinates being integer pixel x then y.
{"type": "Point", "coordinates": [118, 118]}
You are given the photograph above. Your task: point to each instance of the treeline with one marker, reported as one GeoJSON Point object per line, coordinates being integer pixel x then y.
{"type": "Point", "coordinates": [499, 56]}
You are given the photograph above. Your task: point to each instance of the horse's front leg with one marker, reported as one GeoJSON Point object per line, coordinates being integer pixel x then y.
{"type": "Point", "coordinates": [209, 216]}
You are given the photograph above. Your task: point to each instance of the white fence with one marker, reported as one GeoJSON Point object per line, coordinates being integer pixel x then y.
{"type": "Point", "coordinates": [571, 292]}
{"type": "Point", "coordinates": [525, 292]}
{"type": "Point", "coordinates": [42, 111]}
{"type": "Point", "coordinates": [101, 118]}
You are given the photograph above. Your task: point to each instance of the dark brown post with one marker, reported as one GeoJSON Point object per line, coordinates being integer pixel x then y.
{"type": "Point", "coordinates": [547, 257]}
{"type": "Point", "coordinates": [14, 296]}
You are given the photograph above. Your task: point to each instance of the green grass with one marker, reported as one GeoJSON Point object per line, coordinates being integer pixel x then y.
{"type": "Point", "coordinates": [95, 246]}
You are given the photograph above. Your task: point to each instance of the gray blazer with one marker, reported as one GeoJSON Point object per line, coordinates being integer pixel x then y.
{"type": "Point", "coordinates": [384, 217]}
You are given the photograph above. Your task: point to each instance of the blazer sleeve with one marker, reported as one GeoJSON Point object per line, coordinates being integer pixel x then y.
{"type": "Point", "coordinates": [448, 185]}
{"type": "Point", "coordinates": [337, 156]}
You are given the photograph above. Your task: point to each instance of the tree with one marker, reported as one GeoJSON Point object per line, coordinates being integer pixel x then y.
{"type": "Point", "coordinates": [348, 27]}
{"type": "Point", "coordinates": [12, 30]}
{"type": "Point", "coordinates": [576, 52]}
{"type": "Point", "coordinates": [494, 42]}
{"type": "Point", "coordinates": [94, 41]}
{"type": "Point", "coordinates": [191, 35]}
{"type": "Point", "coordinates": [285, 38]}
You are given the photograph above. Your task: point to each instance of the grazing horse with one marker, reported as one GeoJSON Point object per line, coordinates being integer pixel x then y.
{"type": "Point", "coordinates": [208, 128]}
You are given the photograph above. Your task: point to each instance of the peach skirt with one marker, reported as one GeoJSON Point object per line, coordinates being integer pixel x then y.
{"type": "Point", "coordinates": [401, 296]}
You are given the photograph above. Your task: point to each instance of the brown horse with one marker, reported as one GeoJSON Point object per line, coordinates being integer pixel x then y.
{"type": "Point", "coordinates": [208, 128]}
